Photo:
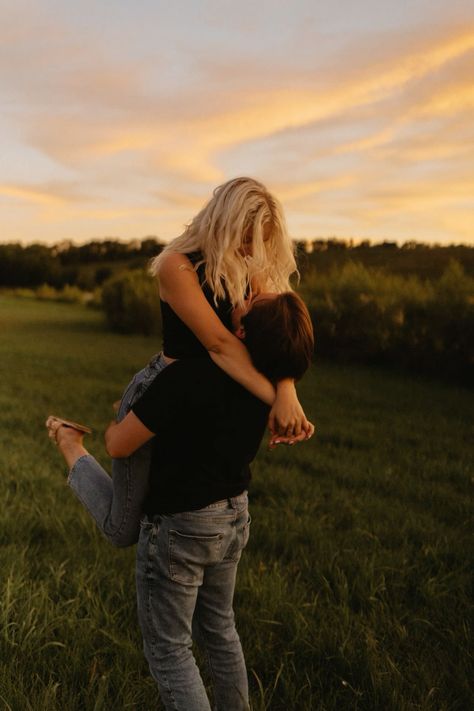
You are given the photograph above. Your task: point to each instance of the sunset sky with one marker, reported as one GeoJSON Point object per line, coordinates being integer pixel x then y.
{"type": "Point", "coordinates": [119, 118]}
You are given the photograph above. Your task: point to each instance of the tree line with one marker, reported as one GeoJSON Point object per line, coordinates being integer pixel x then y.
{"type": "Point", "coordinates": [409, 306]}
{"type": "Point", "coordinates": [90, 265]}
{"type": "Point", "coordinates": [65, 264]}
{"type": "Point", "coordinates": [360, 314]}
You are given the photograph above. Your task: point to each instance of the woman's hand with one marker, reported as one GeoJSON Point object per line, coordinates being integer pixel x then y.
{"type": "Point", "coordinates": [287, 417]}
{"type": "Point", "coordinates": [279, 439]}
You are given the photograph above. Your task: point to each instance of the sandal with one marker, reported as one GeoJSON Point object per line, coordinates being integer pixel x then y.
{"type": "Point", "coordinates": [70, 423]}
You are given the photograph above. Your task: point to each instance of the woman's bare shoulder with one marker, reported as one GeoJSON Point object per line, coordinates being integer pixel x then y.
{"type": "Point", "coordinates": [171, 262]}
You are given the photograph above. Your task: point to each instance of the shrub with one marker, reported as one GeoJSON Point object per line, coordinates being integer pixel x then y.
{"type": "Point", "coordinates": [359, 314]}
{"type": "Point", "coordinates": [368, 315]}
{"type": "Point", "coordinates": [131, 303]}
{"type": "Point", "coordinates": [68, 294]}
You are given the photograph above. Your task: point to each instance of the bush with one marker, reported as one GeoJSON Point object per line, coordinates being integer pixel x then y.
{"type": "Point", "coordinates": [68, 294]}
{"type": "Point", "coordinates": [131, 303]}
{"type": "Point", "coordinates": [368, 315]}
{"type": "Point", "coordinates": [359, 315]}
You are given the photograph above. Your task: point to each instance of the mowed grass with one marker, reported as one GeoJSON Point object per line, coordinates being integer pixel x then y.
{"type": "Point", "coordinates": [353, 593]}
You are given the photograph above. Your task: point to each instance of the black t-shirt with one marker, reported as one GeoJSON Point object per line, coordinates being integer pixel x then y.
{"type": "Point", "coordinates": [208, 429]}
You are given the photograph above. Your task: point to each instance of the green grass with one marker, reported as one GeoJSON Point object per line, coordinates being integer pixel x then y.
{"type": "Point", "coordinates": [353, 593]}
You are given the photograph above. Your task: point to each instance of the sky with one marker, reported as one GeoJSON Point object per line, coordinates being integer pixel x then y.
{"type": "Point", "coordinates": [119, 118]}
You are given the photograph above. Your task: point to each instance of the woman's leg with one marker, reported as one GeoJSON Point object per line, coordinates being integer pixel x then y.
{"type": "Point", "coordinates": [116, 503]}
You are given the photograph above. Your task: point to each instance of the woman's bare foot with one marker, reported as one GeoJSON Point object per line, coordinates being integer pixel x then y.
{"type": "Point", "coordinates": [67, 439]}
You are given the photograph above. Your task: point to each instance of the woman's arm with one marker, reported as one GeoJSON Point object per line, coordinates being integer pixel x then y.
{"type": "Point", "coordinates": [180, 288]}
{"type": "Point", "coordinates": [287, 416]}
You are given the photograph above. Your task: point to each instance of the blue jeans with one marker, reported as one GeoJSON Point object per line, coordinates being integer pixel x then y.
{"type": "Point", "coordinates": [186, 570]}
{"type": "Point", "coordinates": [116, 503]}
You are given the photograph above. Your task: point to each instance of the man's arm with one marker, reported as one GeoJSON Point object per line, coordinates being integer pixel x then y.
{"type": "Point", "coordinates": [159, 407]}
{"type": "Point", "coordinates": [123, 438]}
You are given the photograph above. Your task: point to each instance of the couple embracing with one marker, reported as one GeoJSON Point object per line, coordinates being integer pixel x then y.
{"type": "Point", "coordinates": [235, 340]}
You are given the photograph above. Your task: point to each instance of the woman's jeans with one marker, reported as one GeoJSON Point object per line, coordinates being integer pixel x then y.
{"type": "Point", "coordinates": [186, 570]}
{"type": "Point", "coordinates": [116, 503]}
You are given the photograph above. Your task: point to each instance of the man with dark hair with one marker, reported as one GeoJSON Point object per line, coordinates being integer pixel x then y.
{"type": "Point", "coordinates": [207, 429]}
{"type": "Point", "coordinates": [278, 335]}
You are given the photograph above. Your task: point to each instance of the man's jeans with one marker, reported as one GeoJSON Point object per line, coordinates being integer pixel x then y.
{"type": "Point", "coordinates": [116, 503]}
{"type": "Point", "coordinates": [186, 570]}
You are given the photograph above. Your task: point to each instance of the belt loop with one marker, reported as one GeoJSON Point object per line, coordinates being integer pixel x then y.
{"type": "Point", "coordinates": [230, 502]}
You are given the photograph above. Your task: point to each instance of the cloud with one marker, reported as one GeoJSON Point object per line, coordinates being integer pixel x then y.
{"type": "Point", "coordinates": [322, 133]}
{"type": "Point", "coordinates": [30, 195]}
{"type": "Point", "coordinates": [51, 194]}
{"type": "Point", "coordinates": [104, 106]}
{"type": "Point", "coordinates": [418, 197]}
{"type": "Point", "coordinates": [297, 192]}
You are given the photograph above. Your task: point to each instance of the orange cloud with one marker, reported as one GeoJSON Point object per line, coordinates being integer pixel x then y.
{"type": "Point", "coordinates": [32, 195]}
{"type": "Point", "coordinates": [336, 136]}
{"type": "Point", "coordinates": [289, 192]}
{"type": "Point", "coordinates": [281, 109]}
{"type": "Point", "coordinates": [189, 143]}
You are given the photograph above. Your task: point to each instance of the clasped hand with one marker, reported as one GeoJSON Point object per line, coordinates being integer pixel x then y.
{"type": "Point", "coordinates": [287, 421]}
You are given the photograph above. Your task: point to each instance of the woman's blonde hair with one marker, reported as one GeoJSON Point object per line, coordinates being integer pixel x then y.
{"type": "Point", "coordinates": [241, 210]}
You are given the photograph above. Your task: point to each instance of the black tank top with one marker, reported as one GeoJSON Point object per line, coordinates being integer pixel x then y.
{"type": "Point", "coordinates": [178, 340]}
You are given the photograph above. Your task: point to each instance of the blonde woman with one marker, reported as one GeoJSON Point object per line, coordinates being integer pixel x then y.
{"type": "Point", "coordinates": [236, 248]}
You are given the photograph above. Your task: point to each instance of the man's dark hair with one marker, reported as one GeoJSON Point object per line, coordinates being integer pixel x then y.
{"type": "Point", "coordinates": [279, 336]}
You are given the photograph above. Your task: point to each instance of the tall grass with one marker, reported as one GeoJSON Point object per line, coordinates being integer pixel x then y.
{"type": "Point", "coordinates": [353, 593]}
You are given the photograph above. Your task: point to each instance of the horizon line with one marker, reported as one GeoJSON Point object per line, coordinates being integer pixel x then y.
{"type": "Point", "coordinates": [348, 241]}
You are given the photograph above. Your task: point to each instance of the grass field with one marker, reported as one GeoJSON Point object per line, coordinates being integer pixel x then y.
{"type": "Point", "coordinates": [353, 594]}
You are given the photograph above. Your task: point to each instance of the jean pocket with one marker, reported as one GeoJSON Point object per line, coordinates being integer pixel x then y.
{"type": "Point", "coordinates": [239, 541]}
{"type": "Point", "coordinates": [189, 555]}
{"type": "Point", "coordinates": [246, 531]}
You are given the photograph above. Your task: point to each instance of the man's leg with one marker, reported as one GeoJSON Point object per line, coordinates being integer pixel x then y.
{"type": "Point", "coordinates": [165, 612]}
{"type": "Point", "coordinates": [214, 630]}
{"type": "Point", "coordinates": [214, 625]}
